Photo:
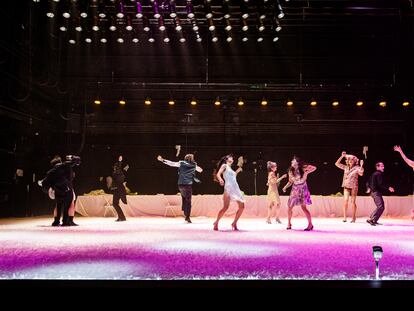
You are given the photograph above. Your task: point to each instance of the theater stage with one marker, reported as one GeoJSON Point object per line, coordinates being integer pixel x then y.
{"type": "Point", "coordinates": [167, 248]}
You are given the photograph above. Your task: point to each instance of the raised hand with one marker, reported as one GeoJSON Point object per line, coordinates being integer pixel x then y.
{"type": "Point", "coordinates": [159, 158]}
{"type": "Point", "coordinates": [361, 163]}
{"type": "Point", "coordinates": [397, 148]}
{"type": "Point", "coordinates": [221, 182]}
{"type": "Point", "coordinates": [343, 153]}
{"type": "Point", "coordinates": [391, 189]}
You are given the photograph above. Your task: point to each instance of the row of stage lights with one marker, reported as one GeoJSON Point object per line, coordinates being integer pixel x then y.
{"type": "Point", "coordinates": [161, 10]}
{"type": "Point", "coordinates": [263, 102]}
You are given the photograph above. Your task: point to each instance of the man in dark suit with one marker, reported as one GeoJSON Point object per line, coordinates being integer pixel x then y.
{"type": "Point", "coordinates": [118, 186]}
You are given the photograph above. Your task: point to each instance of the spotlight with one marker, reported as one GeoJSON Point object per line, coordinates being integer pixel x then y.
{"type": "Point", "coordinates": [383, 104]}
{"type": "Point", "coordinates": [240, 102]}
{"type": "Point", "coordinates": [66, 14]}
{"type": "Point", "coordinates": [260, 39]}
{"type": "Point", "coordinates": [177, 23]}
{"type": "Point", "coordinates": [72, 41]}
{"type": "Point", "coordinates": [195, 26]}
{"type": "Point", "coordinates": [135, 40]}
{"type": "Point", "coordinates": [121, 9]}
{"type": "Point", "coordinates": [190, 9]}
{"type": "Point", "coordinates": [228, 25]}
{"type": "Point", "coordinates": [129, 24]}
{"type": "Point", "coordinates": [335, 104]}
{"type": "Point", "coordinates": [50, 14]}
{"type": "Point", "coordinates": [104, 40]}
{"type": "Point", "coordinates": [279, 10]}
{"type": "Point", "coordinates": [264, 102]}
{"type": "Point", "coordinates": [215, 38]}
{"type": "Point", "coordinates": [245, 39]}
{"type": "Point", "coordinates": [145, 23]}
{"type": "Point", "coordinates": [377, 253]}
{"type": "Point", "coordinates": [217, 102]}
{"type": "Point", "coordinates": [261, 25]}
{"type": "Point", "coordinates": [275, 39]}
{"type": "Point", "coordinates": [193, 102]}
{"type": "Point", "coordinates": [113, 26]}
{"type": "Point", "coordinates": [139, 9]}
{"type": "Point", "coordinates": [95, 26]}
{"type": "Point", "coordinates": [156, 9]}
{"type": "Point", "coordinates": [101, 10]}
{"type": "Point", "coordinates": [207, 7]}
{"type": "Point", "coordinates": [229, 39]}
{"type": "Point", "coordinates": [406, 104]}
{"type": "Point", "coordinates": [182, 40]}
{"type": "Point", "coordinates": [244, 10]}
{"type": "Point", "coordinates": [120, 40]}
{"type": "Point", "coordinates": [97, 102]}
{"type": "Point", "coordinates": [211, 26]}
{"type": "Point", "coordinates": [313, 103]}
{"type": "Point", "coordinates": [199, 39]}
{"type": "Point", "coordinates": [147, 101]}
{"type": "Point", "coordinates": [245, 26]}
{"type": "Point", "coordinates": [122, 102]}
{"type": "Point", "coordinates": [360, 103]}
{"type": "Point", "coordinates": [166, 38]}
{"type": "Point", "coordinates": [289, 103]}
{"type": "Point", "coordinates": [63, 28]}
{"type": "Point", "coordinates": [171, 102]}
{"type": "Point", "coordinates": [226, 9]}
{"type": "Point", "coordinates": [173, 12]}
{"type": "Point", "coordinates": [161, 25]}
{"type": "Point", "coordinates": [88, 40]}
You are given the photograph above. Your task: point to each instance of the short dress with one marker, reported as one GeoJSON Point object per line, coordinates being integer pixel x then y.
{"type": "Point", "coordinates": [299, 195]}
{"type": "Point", "coordinates": [231, 187]}
{"type": "Point", "coordinates": [272, 190]}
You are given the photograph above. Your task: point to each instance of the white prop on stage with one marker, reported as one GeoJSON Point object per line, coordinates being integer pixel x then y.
{"type": "Point", "coordinates": [256, 206]}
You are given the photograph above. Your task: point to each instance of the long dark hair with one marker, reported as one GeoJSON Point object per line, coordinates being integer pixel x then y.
{"type": "Point", "coordinates": [219, 164]}
{"type": "Point", "coordinates": [301, 164]}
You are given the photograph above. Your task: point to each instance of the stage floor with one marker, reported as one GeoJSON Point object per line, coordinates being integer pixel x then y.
{"type": "Point", "coordinates": [156, 248]}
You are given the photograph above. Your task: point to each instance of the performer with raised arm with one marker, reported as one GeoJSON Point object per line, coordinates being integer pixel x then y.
{"type": "Point", "coordinates": [226, 176]}
{"type": "Point", "coordinates": [299, 195]}
{"type": "Point", "coordinates": [273, 181]}
{"type": "Point", "coordinates": [377, 188]}
{"type": "Point", "coordinates": [186, 176]}
{"type": "Point", "coordinates": [118, 186]}
{"type": "Point", "coordinates": [350, 180]}
{"type": "Point", "coordinates": [407, 160]}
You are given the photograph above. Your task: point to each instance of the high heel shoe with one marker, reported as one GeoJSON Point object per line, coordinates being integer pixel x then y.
{"type": "Point", "coordinates": [215, 228]}
{"type": "Point", "coordinates": [278, 221]}
{"type": "Point", "coordinates": [234, 227]}
{"type": "Point", "coordinates": [268, 221]}
{"type": "Point", "coordinates": [353, 220]}
{"type": "Point", "coordinates": [289, 227]}
{"type": "Point", "coordinates": [309, 228]}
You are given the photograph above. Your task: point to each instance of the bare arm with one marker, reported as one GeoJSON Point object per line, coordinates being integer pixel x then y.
{"type": "Point", "coordinates": [239, 169]}
{"type": "Point", "coordinates": [338, 162]}
{"type": "Point", "coordinates": [199, 169]}
{"type": "Point", "coordinates": [289, 183]}
{"type": "Point", "coordinates": [281, 178]}
{"type": "Point", "coordinates": [407, 160]}
{"type": "Point", "coordinates": [218, 175]}
{"type": "Point", "coordinates": [167, 162]}
{"type": "Point", "coordinates": [309, 169]}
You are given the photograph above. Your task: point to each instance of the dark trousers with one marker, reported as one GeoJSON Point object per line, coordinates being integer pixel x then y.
{"type": "Point", "coordinates": [63, 203]}
{"type": "Point", "coordinates": [119, 195]}
{"type": "Point", "coordinates": [186, 193]}
{"type": "Point", "coordinates": [379, 202]}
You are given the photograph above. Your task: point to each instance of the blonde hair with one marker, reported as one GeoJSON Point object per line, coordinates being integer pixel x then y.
{"type": "Point", "coordinates": [270, 164]}
{"type": "Point", "coordinates": [189, 157]}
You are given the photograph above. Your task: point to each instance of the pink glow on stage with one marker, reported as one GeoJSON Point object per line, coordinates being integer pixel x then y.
{"type": "Point", "coordinates": [168, 248]}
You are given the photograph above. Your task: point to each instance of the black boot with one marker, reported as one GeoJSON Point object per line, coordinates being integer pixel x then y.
{"type": "Point", "coordinates": [71, 223]}
{"type": "Point", "coordinates": [56, 222]}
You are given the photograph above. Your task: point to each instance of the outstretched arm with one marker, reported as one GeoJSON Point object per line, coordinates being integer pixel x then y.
{"type": "Point", "coordinates": [281, 178]}
{"type": "Point", "coordinates": [338, 162]}
{"type": "Point", "coordinates": [167, 162]}
{"type": "Point", "coordinates": [289, 183]}
{"type": "Point", "coordinates": [309, 168]}
{"type": "Point", "coordinates": [199, 169]}
{"type": "Point", "coordinates": [407, 160]}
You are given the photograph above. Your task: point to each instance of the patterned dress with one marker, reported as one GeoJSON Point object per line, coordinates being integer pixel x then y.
{"type": "Point", "coordinates": [272, 190]}
{"type": "Point", "coordinates": [231, 187]}
{"type": "Point", "coordinates": [299, 195]}
{"type": "Point", "coordinates": [350, 179]}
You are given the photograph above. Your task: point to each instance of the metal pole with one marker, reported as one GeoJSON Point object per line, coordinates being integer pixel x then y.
{"type": "Point", "coordinates": [377, 276]}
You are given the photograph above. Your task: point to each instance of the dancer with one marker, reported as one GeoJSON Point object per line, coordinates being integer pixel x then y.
{"type": "Point", "coordinates": [118, 186]}
{"type": "Point", "coordinates": [273, 182]}
{"type": "Point", "coordinates": [299, 195]}
{"type": "Point", "coordinates": [231, 189]}
{"type": "Point", "coordinates": [377, 188]}
{"type": "Point", "coordinates": [407, 160]}
{"type": "Point", "coordinates": [58, 183]}
{"type": "Point", "coordinates": [186, 176]}
{"type": "Point", "coordinates": [350, 181]}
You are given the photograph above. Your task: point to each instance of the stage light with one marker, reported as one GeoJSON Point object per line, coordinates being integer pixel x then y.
{"type": "Point", "coordinates": [279, 10]}
{"type": "Point", "coordinates": [95, 26]}
{"type": "Point", "coordinates": [66, 14]}
{"type": "Point", "coordinates": [147, 101]}
{"type": "Point", "coordinates": [228, 25]}
{"type": "Point", "coordinates": [63, 28]}
{"type": "Point", "coordinates": [113, 26]}
{"type": "Point", "coordinates": [278, 27]}
{"type": "Point", "coordinates": [88, 40]}
{"type": "Point", "coordinates": [50, 14]}
{"type": "Point", "coordinates": [190, 9]}
{"type": "Point", "coordinates": [360, 103]}
{"type": "Point", "coordinates": [173, 12]}
{"type": "Point", "coordinates": [138, 9]}
{"type": "Point", "coordinates": [78, 26]}
{"type": "Point", "coordinates": [207, 8]}
{"type": "Point", "coordinates": [335, 104]}
{"type": "Point", "coordinates": [261, 25]}
{"type": "Point", "coordinates": [156, 9]}
{"type": "Point", "coordinates": [264, 102]}
{"type": "Point", "coordinates": [135, 40]}
{"type": "Point", "coordinates": [245, 39]}
{"type": "Point", "coordinates": [289, 103]}
{"type": "Point", "coordinates": [151, 39]}
{"type": "Point", "coordinates": [313, 103]}
{"type": "Point", "coordinates": [199, 39]}
{"type": "Point", "coordinates": [84, 9]}
{"type": "Point", "coordinates": [260, 39]}
{"type": "Point", "coordinates": [161, 25]}
{"type": "Point", "coordinates": [166, 39]}
{"type": "Point", "coordinates": [145, 23]}
{"type": "Point", "coordinates": [226, 9]}
{"type": "Point", "coordinates": [214, 39]}
{"type": "Point", "coordinates": [171, 102]}
{"type": "Point", "coordinates": [121, 9]}
{"type": "Point", "coordinates": [217, 102]}
{"type": "Point", "coordinates": [406, 104]}
{"type": "Point", "coordinates": [36, 1]}
{"type": "Point", "coordinates": [177, 23]}
{"type": "Point", "coordinates": [240, 102]}
{"type": "Point", "coordinates": [383, 104]}
{"type": "Point", "coordinates": [97, 102]}
{"type": "Point", "coordinates": [101, 10]}
{"type": "Point", "coordinates": [182, 40]}
{"type": "Point", "coordinates": [229, 39]}
{"type": "Point", "coordinates": [129, 24]}
{"type": "Point", "coordinates": [193, 102]}
{"type": "Point", "coordinates": [120, 40]}
{"type": "Point", "coordinates": [275, 39]}
{"type": "Point", "coordinates": [72, 41]}
{"type": "Point", "coordinates": [122, 102]}
{"type": "Point", "coordinates": [211, 26]}
{"type": "Point", "coordinates": [194, 23]}
{"type": "Point", "coordinates": [377, 253]}
{"type": "Point", "coordinates": [104, 40]}
{"type": "Point", "coordinates": [244, 10]}
{"type": "Point", "coordinates": [245, 26]}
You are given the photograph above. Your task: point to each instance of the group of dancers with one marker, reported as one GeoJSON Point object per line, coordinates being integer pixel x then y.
{"type": "Point", "coordinates": [59, 180]}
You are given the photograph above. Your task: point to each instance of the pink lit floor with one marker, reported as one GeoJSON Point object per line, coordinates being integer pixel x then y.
{"type": "Point", "coordinates": [168, 248]}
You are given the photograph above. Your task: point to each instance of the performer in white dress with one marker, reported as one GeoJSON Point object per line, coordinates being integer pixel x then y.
{"type": "Point", "coordinates": [231, 189]}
